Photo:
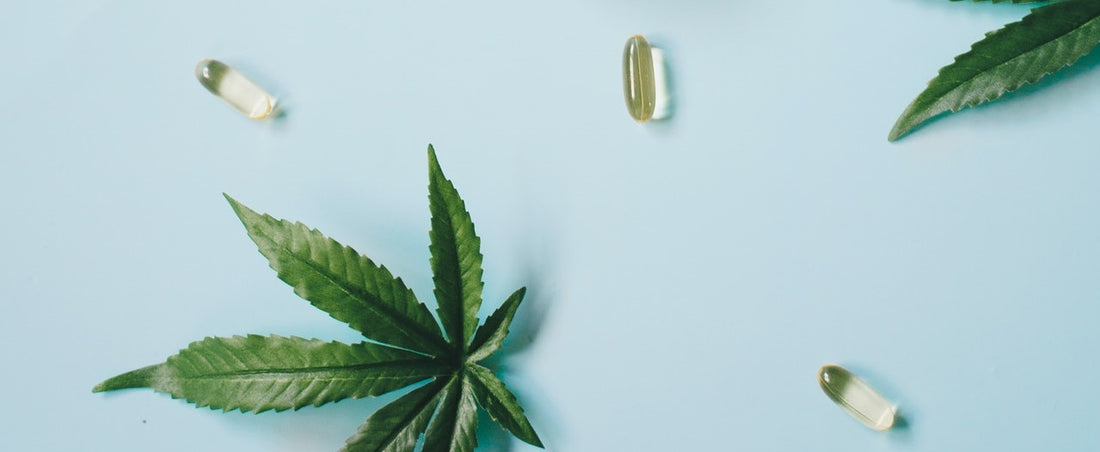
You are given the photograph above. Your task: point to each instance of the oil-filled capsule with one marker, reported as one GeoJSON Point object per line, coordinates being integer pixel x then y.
{"type": "Point", "coordinates": [856, 397]}
{"type": "Point", "coordinates": [235, 89]}
{"type": "Point", "coordinates": [645, 84]}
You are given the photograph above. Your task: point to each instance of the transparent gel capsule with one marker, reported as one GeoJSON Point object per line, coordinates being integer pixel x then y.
{"type": "Point", "coordinates": [856, 397]}
{"type": "Point", "coordinates": [645, 84]}
{"type": "Point", "coordinates": [235, 89]}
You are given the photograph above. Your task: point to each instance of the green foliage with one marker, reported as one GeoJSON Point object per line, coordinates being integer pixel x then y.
{"type": "Point", "coordinates": [338, 280]}
{"type": "Point", "coordinates": [1004, 1]}
{"type": "Point", "coordinates": [501, 404]}
{"type": "Point", "coordinates": [1050, 38]}
{"type": "Point", "coordinates": [491, 335]}
{"type": "Point", "coordinates": [259, 373]}
{"type": "Point", "coordinates": [454, 426]}
{"type": "Point", "coordinates": [456, 257]}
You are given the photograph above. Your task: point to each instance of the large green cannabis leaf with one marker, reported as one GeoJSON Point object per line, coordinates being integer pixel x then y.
{"type": "Point", "coordinates": [260, 373]}
{"type": "Point", "coordinates": [1050, 38]}
{"type": "Point", "coordinates": [1005, 1]}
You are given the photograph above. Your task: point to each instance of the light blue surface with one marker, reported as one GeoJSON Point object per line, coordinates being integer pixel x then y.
{"type": "Point", "coordinates": [686, 279]}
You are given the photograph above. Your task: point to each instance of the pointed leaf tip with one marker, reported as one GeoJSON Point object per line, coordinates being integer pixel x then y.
{"type": "Point", "coordinates": [895, 133]}
{"type": "Point", "coordinates": [345, 284]}
{"type": "Point", "coordinates": [501, 404]}
{"type": "Point", "coordinates": [455, 258]}
{"type": "Point", "coordinates": [239, 209]}
{"type": "Point", "coordinates": [398, 425]}
{"type": "Point", "coordinates": [433, 164]}
{"type": "Point", "coordinates": [1048, 39]}
{"type": "Point", "coordinates": [490, 336]}
{"type": "Point", "coordinates": [259, 373]}
{"type": "Point", "coordinates": [138, 378]}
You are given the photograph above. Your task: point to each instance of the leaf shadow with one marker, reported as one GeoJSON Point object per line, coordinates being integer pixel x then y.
{"type": "Point", "coordinates": [528, 322]}
{"type": "Point", "coordinates": [491, 436]}
{"type": "Point", "coordinates": [387, 235]}
{"type": "Point", "coordinates": [526, 329]}
{"type": "Point", "coordinates": [536, 259]}
{"type": "Point", "coordinates": [310, 428]}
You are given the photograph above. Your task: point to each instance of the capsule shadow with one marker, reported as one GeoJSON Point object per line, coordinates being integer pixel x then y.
{"type": "Point", "coordinates": [667, 95]}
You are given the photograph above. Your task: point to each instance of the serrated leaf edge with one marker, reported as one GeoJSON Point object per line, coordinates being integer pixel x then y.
{"type": "Point", "coordinates": [913, 117]}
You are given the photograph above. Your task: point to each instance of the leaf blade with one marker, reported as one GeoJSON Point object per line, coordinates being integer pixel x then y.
{"type": "Point", "coordinates": [454, 426]}
{"type": "Point", "coordinates": [1004, 1]}
{"type": "Point", "coordinates": [491, 334]}
{"type": "Point", "coordinates": [456, 257]}
{"type": "Point", "coordinates": [346, 285]}
{"type": "Point", "coordinates": [259, 373]}
{"type": "Point", "coordinates": [501, 404]}
{"type": "Point", "coordinates": [397, 427]}
{"type": "Point", "coordinates": [137, 378]}
{"type": "Point", "coordinates": [1046, 40]}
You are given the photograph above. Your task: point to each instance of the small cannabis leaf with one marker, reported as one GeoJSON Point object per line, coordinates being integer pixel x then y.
{"type": "Point", "coordinates": [260, 373]}
{"type": "Point", "coordinates": [1049, 38]}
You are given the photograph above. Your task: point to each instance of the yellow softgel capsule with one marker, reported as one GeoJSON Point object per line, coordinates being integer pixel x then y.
{"type": "Point", "coordinates": [856, 397]}
{"type": "Point", "coordinates": [645, 84]}
{"type": "Point", "coordinates": [235, 89]}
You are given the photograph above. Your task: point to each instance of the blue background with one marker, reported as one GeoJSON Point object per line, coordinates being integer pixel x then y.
{"type": "Point", "coordinates": [686, 279]}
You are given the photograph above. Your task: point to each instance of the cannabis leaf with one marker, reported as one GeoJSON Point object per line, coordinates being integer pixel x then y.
{"type": "Point", "coordinates": [259, 373]}
{"type": "Point", "coordinates": [1004, 1]}
{"type": "Point", "coordinates": [1049, 38]}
